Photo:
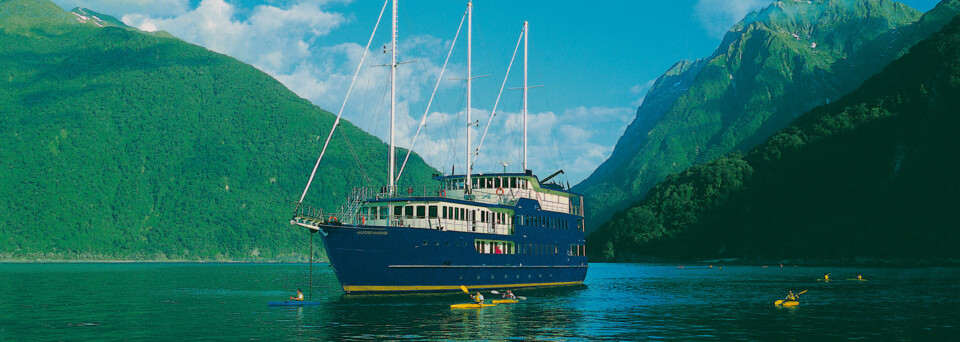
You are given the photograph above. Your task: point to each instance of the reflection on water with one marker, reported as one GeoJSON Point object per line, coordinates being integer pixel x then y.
{"type": "Point", "coordinates": [619, 302]}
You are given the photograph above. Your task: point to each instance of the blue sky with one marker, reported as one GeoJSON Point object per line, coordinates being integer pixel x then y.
{"type": "Point", "coordinates": [595, 60]}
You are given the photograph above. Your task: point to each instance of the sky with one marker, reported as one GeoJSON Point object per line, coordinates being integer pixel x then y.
{"type": "Point", "coordinates": [594, 61]}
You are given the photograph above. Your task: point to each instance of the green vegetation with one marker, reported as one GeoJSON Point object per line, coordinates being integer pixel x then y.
{"type": "Point", "coordinates": [873, 174]}
{"type": "Point", "coordinates": [118, 144]}
{"type": "Point", "coordinates": [772, 67]}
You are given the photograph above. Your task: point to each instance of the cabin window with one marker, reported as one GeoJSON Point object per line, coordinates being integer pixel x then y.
{"type": "Point", "coordinates": [421, 212]}
{"type": "Point", "coordinates": [408, 211]}
{"type": "Point", "coordinates": [383, 212]}
{"type": "Point", "coordinates": [444, 210]}
{"type": "Point", "coordinates": [513, 182]}
{"type": "Point", "coordinates": [398, 211]}
{"type": "Point", "coordinates": [432, 213]}
{"type": "Point", "coordinates": [497, 182]}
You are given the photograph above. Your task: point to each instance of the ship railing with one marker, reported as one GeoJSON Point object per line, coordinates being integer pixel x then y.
{"type": "Point", "coordinates": [402, 191]}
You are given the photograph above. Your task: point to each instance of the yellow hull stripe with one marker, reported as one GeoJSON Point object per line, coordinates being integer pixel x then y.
{"type": "Point", "coordinates": [364, 288]}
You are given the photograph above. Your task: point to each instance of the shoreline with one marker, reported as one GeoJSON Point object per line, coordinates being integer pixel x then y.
{"type": "Point", "coordinates": [804, 262]}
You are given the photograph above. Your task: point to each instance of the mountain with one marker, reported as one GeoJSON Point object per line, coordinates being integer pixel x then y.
{"type": "Point", "coordinates": [873, 174]}
{"type": "Point", "coordinates": [121, 144]}
{"type": "Point", "coordinates": [773, 66]}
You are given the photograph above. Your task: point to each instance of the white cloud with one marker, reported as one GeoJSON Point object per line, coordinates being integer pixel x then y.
{"type": "Point", "coordinates": [717, 16]}
{"type": "Point", "coordinates": [285, 41]}
{"type": "Point", "coordinates": [275, 40]}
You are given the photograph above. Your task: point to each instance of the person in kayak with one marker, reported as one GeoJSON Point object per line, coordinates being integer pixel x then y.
{"type": "Point", "coordinates": [790, 297]}
{"type": "Point", "coordinates": [478, 298]}
{"type": "Point", "coordinates": [826, 277]}
{"type": "Point", "coordinates": [859, 277]}
{"type": "Point", "coordinates": [509, 295]}
{"type": "Point", "coordinates": [299, 295]}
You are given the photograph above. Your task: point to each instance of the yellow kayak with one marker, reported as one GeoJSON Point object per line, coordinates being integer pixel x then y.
{"type": "Point", "coordinates": [854, 279]}
{"type": "Point", "coordinates": [786, 303]}
{"type": "Point", "coordinates": [470, 306]}
{"type": "Point", "coordinates": [503, 301]}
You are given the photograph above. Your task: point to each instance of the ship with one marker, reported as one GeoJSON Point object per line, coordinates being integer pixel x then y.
{"type": "Point", "coordinates": [483, 231]}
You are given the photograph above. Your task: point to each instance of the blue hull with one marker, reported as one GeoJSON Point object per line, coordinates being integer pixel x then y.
{"type": "Point", "coordinates": [370, 259]}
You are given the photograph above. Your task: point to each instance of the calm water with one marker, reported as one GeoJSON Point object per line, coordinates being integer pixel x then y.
{"type": "Point", "coordinates": [619, 302]}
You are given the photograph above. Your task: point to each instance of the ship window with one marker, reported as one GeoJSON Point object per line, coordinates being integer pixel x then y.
{"type": "Point", "coordinates": [479, 244]}
{"type": "Point", "coordinates": [437, 243]}
{"type": "Point", "coordinates": [424, 242]}
{"type": "Point", "coordinates": [433, 211]}
{"type": "Point", "coordinates": [383, 212]}
{"type": "Point", "coordinates": [474, 181]}
{"type": "Point", "coordinates": [408, 211]}
{"type": "Point", "coordinates": [513, 182]}
{"type": "Point", "coordinates": [421, 212]}
{"type": "Point", "coordinates": [497, 182]}
{"type": "Point", "coordinates": [556, 250]}
{"type": "Point", "coordinates": [444, 210]}
{"type": "Point", "coordinates": [397, 210]}
{"type": "Point", "coordinates": [490, 183]}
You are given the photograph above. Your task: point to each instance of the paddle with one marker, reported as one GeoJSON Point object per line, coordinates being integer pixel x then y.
{"type": "Point", "coordinates": [494, 292]}
{"type": "Point", "coordinates": [521, 298]}
{"type": "Point", "coordinates": [464, 289]}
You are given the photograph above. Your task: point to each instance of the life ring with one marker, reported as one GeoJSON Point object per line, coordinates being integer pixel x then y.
{"type": "Point", "coordinates": [500, 191]}
{"type": "Point", "coordinates": [363, 220]}
{"type": "Point", "coordinates": [410, 191]}
{"type": "Point", "coordinates": [333, 219]}
{"type": "Point", "coordinates": [443, 193]}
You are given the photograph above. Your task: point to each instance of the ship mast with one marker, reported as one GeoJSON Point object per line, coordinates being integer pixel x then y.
{"type": "Point", "coordinates": [526, 32]}
{"type": "Point", "coordinates": [393, 96]}
{"type": "Point", "coordinates": [469, 84]}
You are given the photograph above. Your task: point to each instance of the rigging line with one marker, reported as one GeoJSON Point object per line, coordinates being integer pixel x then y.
{"type": "Point", "coordinates": [497, 102]}
{"type": "Point", "coordinates": [556, 138]}
{"type": "Point", "coordinates": [340, 114]}
{"type": "Point", "coordinates": [363, 172]}
{"type": "Point", "coordinates": [423, 120]}
{"type": "Point", "coordinates": [380, 106]}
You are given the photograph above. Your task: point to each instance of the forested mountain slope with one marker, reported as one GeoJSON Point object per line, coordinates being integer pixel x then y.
{"type": "Point", "coordinates": [119, 144]}
{"type": "Point", "coordinates": [873, 174]}
{"type": "Point", "coordinates": [770, 68]}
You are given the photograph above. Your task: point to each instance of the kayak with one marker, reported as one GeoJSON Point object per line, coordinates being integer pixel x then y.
{"type": "Point", "coordinates": [786, 303]}
{"type": "Point", "coordinates": [470, 306]}
{"type": "Point", "coordinates": [503, 301]}
{"type": "Point", "coordinates": [292, 303]}
{"type": "Point", "coordinates": [857, 279]}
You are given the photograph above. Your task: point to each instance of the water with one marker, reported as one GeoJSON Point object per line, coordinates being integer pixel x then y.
{"type": "Point", "coordinates": [41, 302]}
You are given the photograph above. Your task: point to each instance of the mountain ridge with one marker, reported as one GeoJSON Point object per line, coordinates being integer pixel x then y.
{"type": "Point", "coordinates": [770, 68]}
{"type": "Point", "coordinates": [121, 144]}
{"type": "Point", "coordinates": [871, 175]}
